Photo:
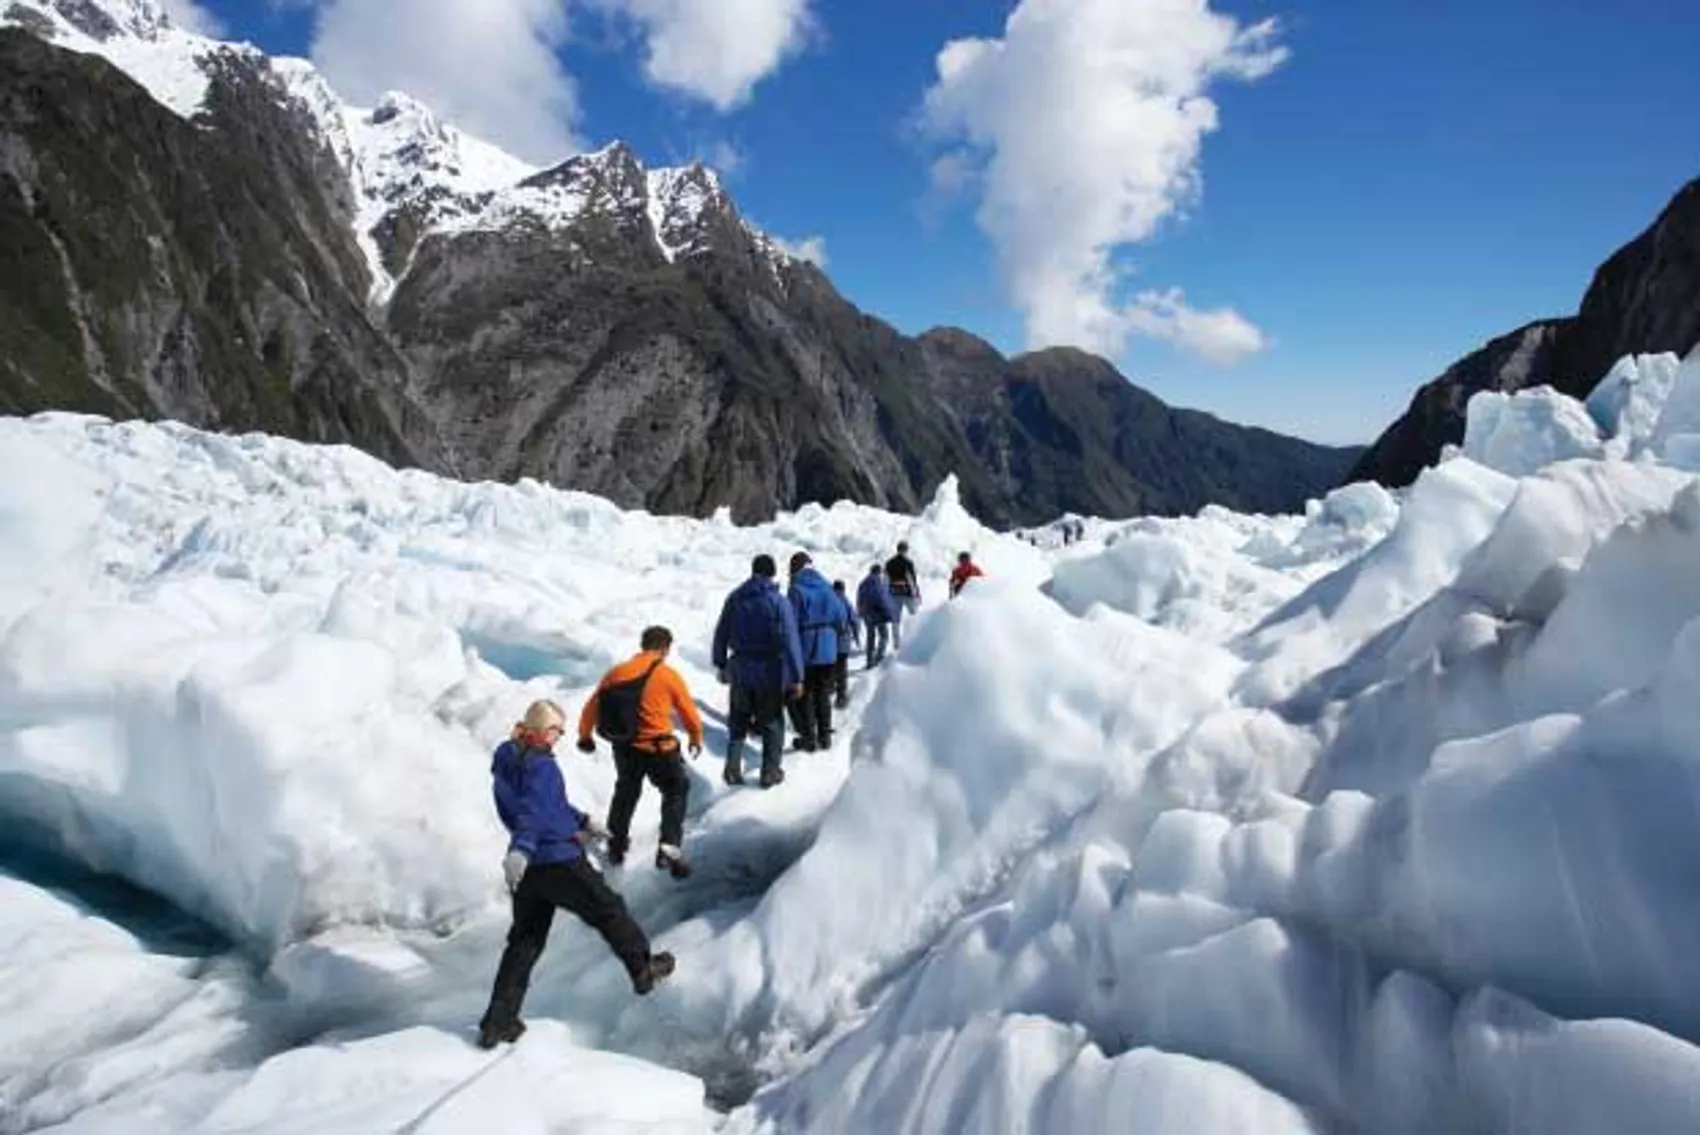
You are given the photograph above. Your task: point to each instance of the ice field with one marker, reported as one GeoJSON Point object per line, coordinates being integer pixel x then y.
{"type": "Point", "coordinates": [1383, 818]}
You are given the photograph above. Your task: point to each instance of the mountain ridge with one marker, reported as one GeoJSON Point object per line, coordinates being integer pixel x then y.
{"type": "Point", "coordinates": [1643, 299]}
{"type": "Point", "coordinates": [598, 324]}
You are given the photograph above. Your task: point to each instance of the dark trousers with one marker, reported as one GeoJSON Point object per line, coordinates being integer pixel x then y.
{"type": "Point", "coordinates": [841, 679]}
{"type": "Point", "coordinates": [664, 770]}
{"type": "Point", "coordinates": [758, 711]}
{"type": "Point", "coordinates": [811, 714]}
{"type": "Point", "coordinates": [876, 635]}
{"type": "Point", "coordinates": [575, 887]}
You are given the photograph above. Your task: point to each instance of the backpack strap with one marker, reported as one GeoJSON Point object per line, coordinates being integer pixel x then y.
{"type": "Point", "coordinates": [643, 683]}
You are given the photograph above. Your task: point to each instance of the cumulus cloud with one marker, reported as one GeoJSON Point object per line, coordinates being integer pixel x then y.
{"type": "Point", "coordinates": [191, 17]}
{"type": "Point", "coordinates": [811, 248]}
{"type": "Point", "coordinates": [1082, 129]}
{"type": "Point", "coordinates": [1221, 336]}
{"type": "Point", "coordinates": [716, 50]}
{"type": "Point", "coordinates": [489, 66]}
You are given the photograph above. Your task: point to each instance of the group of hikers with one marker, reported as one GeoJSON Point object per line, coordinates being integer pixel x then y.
{"type": "Point", "coordinates": [776, 652]}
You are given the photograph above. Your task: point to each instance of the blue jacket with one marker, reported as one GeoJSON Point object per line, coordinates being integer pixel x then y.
{"type": "Point", "coordinates": [531, 799]}
{"type": "Point", "coordinates": [873, 600]}
{"type": "Point", "coordinates": [846, 627]}
{"type": "Point", "coordinates": [816, 606]}
{"type": "Point", "coordinates": [757, 635]}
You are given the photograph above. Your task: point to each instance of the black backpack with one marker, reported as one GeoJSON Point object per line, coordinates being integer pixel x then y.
{"type": "Point", "coordinates": [617, 708]}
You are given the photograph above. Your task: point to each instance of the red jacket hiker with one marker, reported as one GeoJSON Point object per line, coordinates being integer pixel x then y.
{"type": "Point", "coordinates": [965, 570]}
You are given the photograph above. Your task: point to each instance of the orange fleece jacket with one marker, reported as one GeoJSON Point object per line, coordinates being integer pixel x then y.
{"type": "Point", "coordinates": [665, 695]}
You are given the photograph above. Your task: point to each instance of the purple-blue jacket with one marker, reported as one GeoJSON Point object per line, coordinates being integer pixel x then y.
{"type": "Point", "coordinates": [531, 799]}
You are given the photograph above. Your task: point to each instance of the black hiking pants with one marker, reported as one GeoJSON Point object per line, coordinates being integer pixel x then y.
{"type": "Point", "coordinates": [577, 887]}
{"type": "Point", "coordinates": [759, 711]}
{"type": "Point", "coordinates": [811, 714]}
{"type": "Point", "coordinates": [841, 679]}
{"type": "Point", "coordinates": [665, 770]}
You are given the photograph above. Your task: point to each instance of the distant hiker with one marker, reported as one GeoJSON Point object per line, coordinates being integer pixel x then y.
{"type": "Point", "coordinates": [546, 868]}
{"type": "Point", "coordinates": [633, 709]}
{"type": "Point", "coordinates": [849, 638]}
{"type": "Point", "coordinates": [756, 650]}
{"type": "Point", "coordinates": [818, 612]}
{"type": "Point", "coordinates": [965, 570]}
{"type": "Point", "coordinates": [878, 611]}
{"type": "Point", "coordinates": [905, 590]}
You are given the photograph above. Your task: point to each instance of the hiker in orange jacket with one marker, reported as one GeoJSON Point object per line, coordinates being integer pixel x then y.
{"type": "Point", "coordinates": [633, 708]}
{"type": "Point", "coordinates": [965, 570]}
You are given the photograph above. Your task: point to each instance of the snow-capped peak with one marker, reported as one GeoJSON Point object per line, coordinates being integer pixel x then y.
{"type": "Point", "coordinates": [136, 36]}
{"type": "Point", "coordinates": [605, 182]}
{"type": "Point", "coordinates": [679, 198]}
{"type": "Point", "coordinates": [399, 156]}
{"type": "Point", "coordinates": [676, 201]}
{"type": "Point", "coordinates": [403, 148]}
{"type": "Point", "coordinates": [99, 20]}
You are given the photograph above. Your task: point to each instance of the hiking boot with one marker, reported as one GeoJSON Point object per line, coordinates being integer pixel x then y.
{"type": "Point", "coordinates": [803, 745]}
{"type": "Point", "coordinates": [825, 741]}
{"type": "Point", "coordinates": [489, 1035]}
{"type": "Point", "coordinates": [732, 774]}
{"type": "Point", "coordinates": [617, 848]}
{"type": "Point", "coordinates": [841, 703]}
{"type": "Point", "coordinates": [657, 969]}
{"type": "Point", "coordinates": [772, 776]}
{"type": "Point", "coordinates": [673, 861]}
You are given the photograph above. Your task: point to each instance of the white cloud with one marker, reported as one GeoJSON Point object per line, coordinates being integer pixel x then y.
{"type": "Point", "coordinates": [191, 17]}
{"type": "Point", "coordinates": [724, 158]}
{"type": "Point", "coordinates": [1222, 336]}
{"type": "Point", "coordinates": [1082, 127]}
{"type": "Point", "coordinates": [716, 50]}
{"type": "Point", "coordinates": [812, 248]}
{"type": "Point", "coordinates": [488, 66]}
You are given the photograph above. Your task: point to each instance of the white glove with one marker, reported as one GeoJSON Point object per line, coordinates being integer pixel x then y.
{"type": "Point", "coordinates": [514, 864]}
{"type": "Point", "coordinates": [593, 831]}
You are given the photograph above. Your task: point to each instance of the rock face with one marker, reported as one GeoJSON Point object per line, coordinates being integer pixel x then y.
{"type": "Point", "coordinates": [1645, 299]}
{"type": "Point", "coordinates": [1063, 431]}
{"type": "Point", "coordinates": [203, 272]}
{"type": "Point", "coordinates": [233, 247]}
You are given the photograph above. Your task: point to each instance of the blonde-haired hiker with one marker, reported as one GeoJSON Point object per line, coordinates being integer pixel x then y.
{"type": "Point", "coordinates": [546, 868]}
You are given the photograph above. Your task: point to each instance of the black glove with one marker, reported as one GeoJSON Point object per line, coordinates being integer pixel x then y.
{"type": "Point", "coordinates": [586, 745]}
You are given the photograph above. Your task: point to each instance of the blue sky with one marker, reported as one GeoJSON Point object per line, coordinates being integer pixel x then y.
{"type": "Point", "coordinates": [1388, 184]}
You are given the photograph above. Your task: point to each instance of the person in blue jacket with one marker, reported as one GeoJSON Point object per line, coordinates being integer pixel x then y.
{"type": "Point", "coordinates": [818, 615]}
{"type": "Point", "coordinates": [849, 638]}
{"type": "Point", "coordinates": [878, 611]}
{"type": "Point", "coordinates": [546, 868]}
{"type": "Point", "coordinates": [756, 651]}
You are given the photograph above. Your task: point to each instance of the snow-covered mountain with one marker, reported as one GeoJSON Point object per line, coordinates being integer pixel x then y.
{"type": "Point", "coordinates": [1374, 818]}
{"type": "Point", "coordinates": [263, 255]}
{"type": "Point", "coordinates": [400, 159]}
{"type": "Point", "coordinates": [135, 35]}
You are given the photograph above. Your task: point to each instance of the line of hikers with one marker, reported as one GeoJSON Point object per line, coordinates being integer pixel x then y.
{"type": "Point", "coordinates": [774, 651]}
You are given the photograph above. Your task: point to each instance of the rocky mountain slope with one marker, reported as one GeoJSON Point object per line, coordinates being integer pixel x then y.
{"type": "Point", "coordinates": [203, 272]}
{"type": "Point", "coordinates": [198, 231]}
{"type": "Point", "coordinates": [1645, 299]}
